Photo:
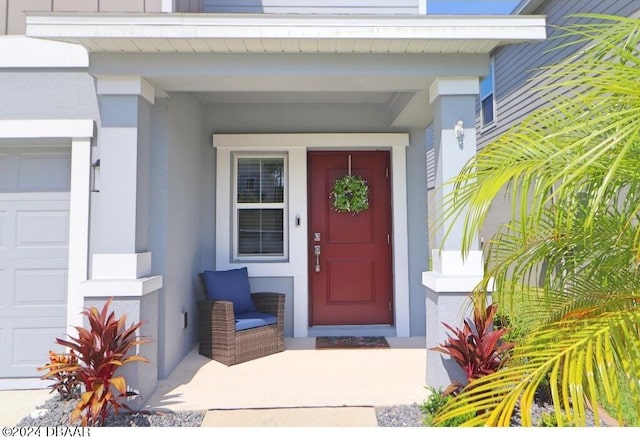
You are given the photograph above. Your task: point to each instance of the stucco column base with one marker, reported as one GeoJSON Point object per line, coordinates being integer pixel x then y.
{"type": "Point", "coordinates": [447, 300]}
{"type": "Point", "coordinates": [126, 278]}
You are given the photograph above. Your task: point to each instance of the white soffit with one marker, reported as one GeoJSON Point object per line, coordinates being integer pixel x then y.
{"type": "Point", "coordinates": [274, 33]}
{"type": "Point", "coordinates": [23, 52]}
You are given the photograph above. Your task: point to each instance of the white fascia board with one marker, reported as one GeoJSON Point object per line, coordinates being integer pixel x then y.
{"type": "Point", "coordinates": [17, 51]}
{"type": "Point", "coordinates": [311, 140]}
{"type": "Point", "coordinates": [21, 129]}
{"type": "Point", "coordinates": [203, 26]}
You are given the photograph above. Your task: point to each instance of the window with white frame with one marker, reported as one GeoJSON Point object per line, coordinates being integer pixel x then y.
{"type": "Point", "coordinates": [487, 98]}
{"type": "Point", "coordinates": [260, 207]}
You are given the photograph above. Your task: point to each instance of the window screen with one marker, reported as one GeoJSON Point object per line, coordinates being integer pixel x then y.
{"type": "Point", "coordinates": [260, 207]}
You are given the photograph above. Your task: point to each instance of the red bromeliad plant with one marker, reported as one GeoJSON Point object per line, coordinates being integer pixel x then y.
{"type": "Point", "coordinates": [102, 350]}
{"type": "Point", "coordinates": [478, 349]}
{"type": "Point", "coordinates": [66, 382]}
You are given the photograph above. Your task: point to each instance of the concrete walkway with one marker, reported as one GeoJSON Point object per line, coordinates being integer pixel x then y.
{"type": "Point", "coordinates": [301, 386]}
{"type": "Point", "coordinates": [293, 417]}
{"type": "Point", "coordinates": [17, 404]}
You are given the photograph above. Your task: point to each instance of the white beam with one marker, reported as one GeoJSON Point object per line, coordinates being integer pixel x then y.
{"type": "Point", "coordinates": [454, 86]}
{"type": "Point", "coordinates": [311, 140]}
{"type": "Point", "coordinates": [19, 129]}
{"type": "Point", "coordinates": [126, 85]}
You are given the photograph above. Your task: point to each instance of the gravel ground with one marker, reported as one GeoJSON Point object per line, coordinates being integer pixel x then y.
{"type": "Point", "coordinates": [57, 413]}
{"type": "Point", "coordinates": [399, 416]}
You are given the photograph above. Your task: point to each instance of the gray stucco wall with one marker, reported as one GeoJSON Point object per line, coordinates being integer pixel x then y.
{"type": "Point", "coordinates": [418, 233]}
{"type": "Point", "coordinates": [30, 94]}
{"type": "Point", "coordinates": [298, 117]}
{"type": "Point", "coordinates": [334, 117]}
{"type": "Point", "coordinates": [179, 148]}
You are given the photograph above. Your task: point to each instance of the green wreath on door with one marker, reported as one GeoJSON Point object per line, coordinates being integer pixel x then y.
{"type": "Point", "coordinates": [350, 194]}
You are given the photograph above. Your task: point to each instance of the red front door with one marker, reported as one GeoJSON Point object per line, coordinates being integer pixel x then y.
{"type": "Point", "coordinates": [350, 280]}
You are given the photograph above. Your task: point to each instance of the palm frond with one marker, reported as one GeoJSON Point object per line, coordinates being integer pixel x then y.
{"type": "Point", "coordinates": [570, 252]}
{"type": "Point", "coordinates": [575, 355]}
{"type": "Point", "coordinates": [589, 135]}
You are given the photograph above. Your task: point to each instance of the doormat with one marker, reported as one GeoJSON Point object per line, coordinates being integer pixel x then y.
{"type": "Point", "coordinates": [350, 342]}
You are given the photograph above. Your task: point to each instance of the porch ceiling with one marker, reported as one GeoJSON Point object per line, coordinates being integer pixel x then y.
{"type": "Point", "coordinates": [388, 61]}
{"type": "Point", "coordinates": [275, 33]}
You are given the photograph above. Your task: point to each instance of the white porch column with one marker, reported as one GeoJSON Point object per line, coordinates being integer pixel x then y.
{"type": "Point", "coordinates": [452, 278]}
{"type": "Point", "coordinates": [121, 263]}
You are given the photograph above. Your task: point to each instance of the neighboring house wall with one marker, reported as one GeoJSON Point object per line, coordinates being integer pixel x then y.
{"type": "Point", "coordinates": [517, 67]}
{"type": "Point", "coordinates": [312, 6]}
{"type": "Point", "coordinates": [12, 12]}
{"type": "Point", "coordinates": [517, 75]}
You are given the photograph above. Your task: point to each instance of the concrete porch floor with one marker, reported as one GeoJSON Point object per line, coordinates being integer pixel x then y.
{"type": "Point", "coordinates": [301, 376]}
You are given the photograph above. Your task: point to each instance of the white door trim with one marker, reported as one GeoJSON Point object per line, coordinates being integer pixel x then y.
{"type": "Point", "coordinates": [296, 146]}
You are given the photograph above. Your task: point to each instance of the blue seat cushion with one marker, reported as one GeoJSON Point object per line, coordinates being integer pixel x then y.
{"type": "Point", "coordinates": [232, 286]}
{"type": "Point", "coordinates": [254, 320]}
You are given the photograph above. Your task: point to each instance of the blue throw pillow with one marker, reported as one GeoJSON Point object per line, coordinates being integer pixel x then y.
{"type": "Point", "coordinates": [230, 285]}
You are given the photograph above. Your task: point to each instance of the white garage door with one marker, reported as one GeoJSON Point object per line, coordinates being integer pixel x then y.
{"type": "Point", "coordinates": [34, 240]}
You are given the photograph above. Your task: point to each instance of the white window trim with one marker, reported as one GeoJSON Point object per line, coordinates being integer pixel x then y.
{"type": "Point", "coordinates": [494, 122]}
{"type": "Point", "coordinates": [296, 147]}
{"type": "Point", "coordinates": [236, 206]}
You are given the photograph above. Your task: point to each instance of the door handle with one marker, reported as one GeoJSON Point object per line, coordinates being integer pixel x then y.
{"type": "Point", "coordinates": [316, 251]}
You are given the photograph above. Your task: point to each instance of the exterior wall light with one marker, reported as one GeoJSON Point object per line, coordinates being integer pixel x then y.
{"type": "Point", "coordinates": [459, 130]}
{"type": "Point", "coordinates": [95, 176]}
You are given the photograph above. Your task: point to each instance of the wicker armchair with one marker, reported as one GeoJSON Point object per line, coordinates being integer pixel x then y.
{"type": "Point", "coordinates": [217, 333]}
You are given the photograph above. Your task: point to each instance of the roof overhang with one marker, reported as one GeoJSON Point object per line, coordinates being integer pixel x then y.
{"type": "Point", "coordinates": [275, 33]}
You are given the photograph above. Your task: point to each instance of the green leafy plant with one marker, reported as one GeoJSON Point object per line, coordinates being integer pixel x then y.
{"type": "Point", "coordinates": [477, 348]}
{"type": "Point", "coordinates": [66, 381]}
{"type": "Point", "coordinates": [551, 420]}
{"type": "Point", "coordinates": [102, 349]}
{"type": "Point", "coordinates": [570, 174]}
{"type": "Point", "coordinates": [436, 402]}
{"type": "Point", "coordinates": [350, 194]}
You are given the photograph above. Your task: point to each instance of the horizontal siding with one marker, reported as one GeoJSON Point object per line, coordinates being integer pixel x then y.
{"type": "Point", "coordinates": [3, 17]}
{"type": "Point", "coordinates": [75, 6]}
{"type": "Point", "coordinates": [188, 5]}
{"type": "Point", "coordinates": [517, 67]}
{"type": "Point", "coordinates": [431, 158]}
{"type": "Point", "coordinates": [393, 7]}
{"type": "Point", "coordinates": [517, 75]}
{"type": "Point", "coordinates": [12, 12]}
